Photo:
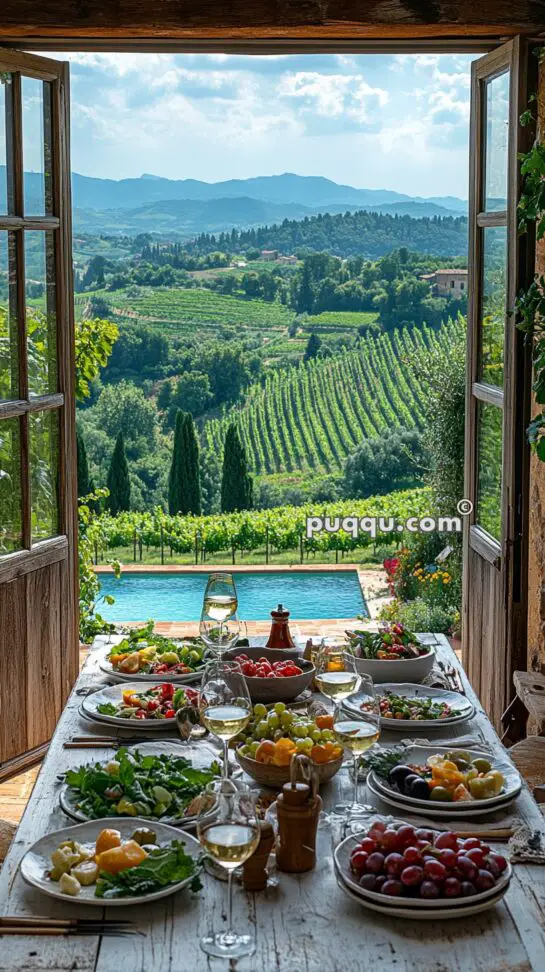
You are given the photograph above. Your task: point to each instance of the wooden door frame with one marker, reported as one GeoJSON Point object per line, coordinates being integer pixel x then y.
{"type": "Point", "coordinates": [63, 546]}
{"type": "Point", "coordinates": [510, 554]}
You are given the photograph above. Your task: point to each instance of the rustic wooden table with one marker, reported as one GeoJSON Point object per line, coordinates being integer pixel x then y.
{"type": "Point", "coordinates": [305, 924]}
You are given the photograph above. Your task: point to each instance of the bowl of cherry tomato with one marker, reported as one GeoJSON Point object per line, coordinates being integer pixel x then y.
{"type": "Point", "coordinates": [273, 674]}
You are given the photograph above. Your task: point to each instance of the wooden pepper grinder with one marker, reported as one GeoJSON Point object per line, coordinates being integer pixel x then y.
{"type": "Point", "coordinates": [298, 809]}
{"type": "Point", "coordinates": [280, 636]}
{"type": "Point", "coordinates": [254, 871]}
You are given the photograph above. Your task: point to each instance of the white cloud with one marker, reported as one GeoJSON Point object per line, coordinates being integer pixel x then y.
{"type": "Point", "coordinates": [382, 121]}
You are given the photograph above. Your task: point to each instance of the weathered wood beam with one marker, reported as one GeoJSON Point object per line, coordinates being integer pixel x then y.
{"type": "Point", "coordinates": [240, 19]}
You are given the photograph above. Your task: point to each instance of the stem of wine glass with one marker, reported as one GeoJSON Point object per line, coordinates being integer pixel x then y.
{"type": "Point", "coordinates": [356, 781]}
{"type": "Point", "coordinates": [225, 773]}
{"type": "Point", "coordinates": [229, 903]}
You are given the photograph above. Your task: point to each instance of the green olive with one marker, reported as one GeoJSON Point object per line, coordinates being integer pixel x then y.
{"type": "Point", "coordinates": [144, 836]}
{"type": "Point", "coordinates": [440, 793]}
{"type": "Point", "coordinates": [482, 765]}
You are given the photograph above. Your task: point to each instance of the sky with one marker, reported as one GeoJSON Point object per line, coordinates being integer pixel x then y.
{"type": "Point", "coordinates": [372, 121]}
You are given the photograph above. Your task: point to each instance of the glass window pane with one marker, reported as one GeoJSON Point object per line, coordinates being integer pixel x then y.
{"type": "Point", "coordinates": [5, 80]}
{"type": "Point", "coordinates": [36, 98]}
{"type": "Point", "coordinates": [41, 313]}
{"type": "Point", "coordinates": [10, 487]}
{"type": "Point", "coordinates": [497, 137]}
{"type": "Point", "coordinates": [489, 467]}
{"type": "Point", "coordinates": [44, 468]}
{"type": "Point", "coordinates": [9, 373]}
{"type": "Point", "coordinates": [493, 309]}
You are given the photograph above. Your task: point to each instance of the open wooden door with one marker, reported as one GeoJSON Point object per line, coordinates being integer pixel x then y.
{"type": "Point", "coordinates": [498, 392]}
{"type": "Point", "coordinates": [38, 495]}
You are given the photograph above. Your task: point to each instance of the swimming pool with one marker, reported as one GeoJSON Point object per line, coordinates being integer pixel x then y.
{"type": "Point", "coordinates": [178, 597]}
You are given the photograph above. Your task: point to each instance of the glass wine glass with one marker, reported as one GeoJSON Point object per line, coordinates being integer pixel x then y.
{"type": "Point", "coordinates": [228, 830]}
{"type": "Point", "coordinates": [358, 734]}
{"type": "Point", "coordinates": [225, 703]}
{"type": "Point", "coordinates": [219, 627]}
{"type": "Point", "coordinates": [336, 674]}
{"type": "Point", "coordinates": [219, 637]}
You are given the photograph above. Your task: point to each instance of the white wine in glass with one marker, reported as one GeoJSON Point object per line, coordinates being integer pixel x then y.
{"type": "Point", "coordinates": [225, 703]}
{"type": "Point", "coordinates": [336, 674]}
{"type": "Point", "coordinates": [220, 597]}
{"type": "Point", "coordinates": [225, 721]}
{"type": "Point", "coordinates": [357, 736]}
{"type": "Point", "coordinates": [229, 833]}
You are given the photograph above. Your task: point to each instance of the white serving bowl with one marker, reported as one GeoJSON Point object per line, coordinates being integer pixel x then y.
{"type": "Point", "coordinates": [397, 669]}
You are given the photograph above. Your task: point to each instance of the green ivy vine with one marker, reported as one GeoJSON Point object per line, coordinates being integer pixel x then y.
{"type": "Point", "coordinates": [530, 304]}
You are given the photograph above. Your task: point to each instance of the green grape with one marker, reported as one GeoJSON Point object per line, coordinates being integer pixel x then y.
{"type": "Point", "coordinates": [279, 708]}
{"type": "Point", "coordinates": [286, 719]}
{"type": "Point", "coordinates": [245, 750]}
{"type": "Point", "coordinates": [260, 710]}
{"type": "Point", "coordinates": [273, 721]}
{"type": "Point", "coordinates": [261, 731]}
{"type": "Point", "coordinates": [315, 734]}
{"type": "Point", "coordinates": [326, 735]}
{"type": "Point", "coordinates": [300, 731]}
{"type": "Point", "coordinates": [307, 745]}
{"type": "Point", "coordinates": [253, 747]}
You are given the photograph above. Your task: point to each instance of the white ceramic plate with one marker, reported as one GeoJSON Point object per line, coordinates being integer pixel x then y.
{"type": "Point", "coordinates": [411, 691]}
{"type": "Point", "coordinates": [419, 754]}
{"type": "Point", "coordinates": [431, 812]}
{"type": "Point", "coordinates": [414, 914]}
{"type": "Point", "coordinates": [106, 666]}
{"type": "Point", "coordinates": [36, 862]}
{"type": "Point", "coordinates": [201, 755]}
{"type": "Point", "coordinates": [342, 861]}
{"type": "Point", "coordinates": [114, 693]}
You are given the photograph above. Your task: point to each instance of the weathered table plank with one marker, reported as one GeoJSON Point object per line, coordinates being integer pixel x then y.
{"type": "Point", "coordinates": [306, 924]}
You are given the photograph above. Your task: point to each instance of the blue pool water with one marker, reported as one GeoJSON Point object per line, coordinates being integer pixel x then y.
{"type": "Point", "coordinates": [179, 597]}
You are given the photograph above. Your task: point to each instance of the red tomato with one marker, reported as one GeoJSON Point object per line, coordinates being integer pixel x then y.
{"type": "Point", "coordinates": [169, 713]}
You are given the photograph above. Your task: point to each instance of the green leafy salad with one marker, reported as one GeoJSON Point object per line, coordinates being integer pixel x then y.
{"type": "Point", "coordinates": [164, 866]}
{"type": "Point", "coordinates": [137, 784]}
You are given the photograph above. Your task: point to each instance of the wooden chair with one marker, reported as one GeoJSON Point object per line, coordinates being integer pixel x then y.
{"type": "Point", "coordinates": [529, 758]}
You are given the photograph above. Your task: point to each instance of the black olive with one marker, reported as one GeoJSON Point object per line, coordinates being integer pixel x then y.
{"type": "Point", "coordinates": [398, 775]}
{"type": "Point", "coordinates": [408, 781]}
{"type": "Point", "coordinates": [420, 789]}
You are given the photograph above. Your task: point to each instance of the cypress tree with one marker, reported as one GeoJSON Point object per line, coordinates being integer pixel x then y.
{"type": "Point", "coordinates": [118, 481]}
{"type": "Point", "coordinates": [192, 465]}
{"type": "Point", "coordinates": [177, 467]}
{"type": "Point", "coordinates": [184, 483]}
{"type": "Point", "coordinates": [313, 346]}
{"type": "Point", "coordinates": [84, 486]}
{"type": "Point", "coordinates": [236, 483]}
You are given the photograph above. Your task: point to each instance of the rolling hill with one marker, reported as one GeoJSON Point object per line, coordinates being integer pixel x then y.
{"type": "Point", "coordinates": [310, 418]}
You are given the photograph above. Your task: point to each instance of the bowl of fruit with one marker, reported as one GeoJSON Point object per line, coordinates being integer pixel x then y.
{"type": "Point", "coordinates": [419, 872]}
{"type": "Point", "coordinates": [391, 654]}
{"type": "Point", "coordinates": [272, 737]}
{"type": "Point", "coordinates": [273, 675]}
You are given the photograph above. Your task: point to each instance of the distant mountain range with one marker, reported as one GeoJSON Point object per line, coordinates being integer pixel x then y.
{"type": "Point", "coordinates": [185, 207]}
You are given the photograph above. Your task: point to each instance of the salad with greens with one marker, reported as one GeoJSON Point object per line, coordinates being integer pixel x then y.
{"type": "Point", "coordinates": [143, 652]}
{"type": "Point", "coordinates": [136, 784]}
{"type": "Point", "coordinates": [164, 866]}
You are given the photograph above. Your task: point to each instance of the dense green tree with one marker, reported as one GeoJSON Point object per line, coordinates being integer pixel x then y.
{"type": "Point", "coordinates": [444, 427]}
{"type": "Point", "coordinates": [190, 392]}
{"type": "Point", "coordinates": [177, 467]}
{"type": "Point", "coordinates": [236, 482]}
{"type": "Point", "coordinates": [381, 465]}
{"type": "Point", "coordinates": [118, 481]}
{"type": "Point", "coordinates": [82, 466]}
{"type": "Point", "coordinates": [124, 408]}
{"type": "Point", "coordinates": [313, 346]}
{"type": "Point", "coordinates": [184, 487]}
{"type": "Point", "coordinates": [193, 473]}
{"type": "Point", "coordinates": [304, 299]}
